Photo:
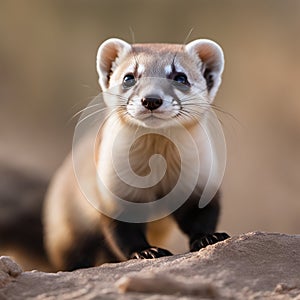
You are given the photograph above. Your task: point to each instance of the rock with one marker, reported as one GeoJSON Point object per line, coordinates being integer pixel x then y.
{"type": "Point", "coordinates": [8, 270]}
{"type": "Point", "coordinates": [154, 283]}
{"type": "Point", "coordinates": [250, 266]}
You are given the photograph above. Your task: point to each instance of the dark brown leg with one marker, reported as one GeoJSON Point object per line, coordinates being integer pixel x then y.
{"type": "Point", "coordinates": [200, 224]}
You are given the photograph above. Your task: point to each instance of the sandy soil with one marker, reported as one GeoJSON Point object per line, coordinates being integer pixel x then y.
{"type": "Point", "coordinates": [250, 266]}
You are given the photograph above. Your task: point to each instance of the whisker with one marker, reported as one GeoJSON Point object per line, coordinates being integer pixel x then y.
{"type": "Point", "coordinates": [219, 109]}
{"type": "Point", "coordinates": [116, 115]}
{"type": "Point", "coordinates": [117, 95]}
{"type": "Point", "coordinates": [193, 96]}
{"type": "Point", "coordinates": [84, 85]}
{"type": "Point", "coordinates": [112, 115]}
{"type": "Point", "coordinates": [89, 98]}
{"type": "Point", "coordinates": [188, 36]}
{"type": "Point", "coordinates": [132, 49]}
{"type": "Point", "coordinates": [206, 109]}
{"type": "Point", "coordinates": [211, 105]}
{"type": "Point", "coordinates": [132, 34]}
{"type": "Point", "coordinates": [112, 110]}
{"type": "Point", "coordinates": [91, 114]}
{"type": "Point", "coordinates": [82, 110]}
{"type": "Point", "coordinates": [194, 115]}
{"type": "Point", "coordinates": [182, 46]}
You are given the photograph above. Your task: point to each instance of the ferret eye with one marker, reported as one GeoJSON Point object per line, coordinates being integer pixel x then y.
{"type": "Point", "coordinates": [181, 78]}
{"type": "Point", "coordinates": [129, 80]}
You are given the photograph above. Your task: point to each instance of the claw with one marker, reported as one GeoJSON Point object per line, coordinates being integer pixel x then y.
{"type": "Point", "coordinates": [150, 253]}
{"type": "Point", "coordinates": [208, 239]}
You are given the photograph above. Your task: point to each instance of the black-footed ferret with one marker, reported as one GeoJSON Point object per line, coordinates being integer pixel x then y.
{"type": "Point", "coordinates": [76, 234]}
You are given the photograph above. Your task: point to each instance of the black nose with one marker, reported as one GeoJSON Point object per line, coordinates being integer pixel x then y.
{"type": "Point", "coordinates": [152, 103]}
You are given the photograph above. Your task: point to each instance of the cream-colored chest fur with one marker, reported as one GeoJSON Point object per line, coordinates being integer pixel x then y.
{"type": "Point", "coordinates": [143, 165]}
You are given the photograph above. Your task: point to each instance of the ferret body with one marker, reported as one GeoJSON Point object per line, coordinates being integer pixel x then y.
{"type": "Point", "coordinates": [155, 86]}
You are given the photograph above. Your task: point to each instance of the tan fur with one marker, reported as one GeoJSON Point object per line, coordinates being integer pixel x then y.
{"type": "Point", "coordinates": [67, 213]}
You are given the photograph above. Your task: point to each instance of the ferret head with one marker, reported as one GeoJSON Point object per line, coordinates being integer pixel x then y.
{"type": "Point", "coordinates": [156, 84]}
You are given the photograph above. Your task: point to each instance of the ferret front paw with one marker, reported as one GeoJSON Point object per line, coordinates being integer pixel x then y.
{"type": "Point", "coordinates": [152, 252]}
{"type": "Point", "coordinates": [208, 239]}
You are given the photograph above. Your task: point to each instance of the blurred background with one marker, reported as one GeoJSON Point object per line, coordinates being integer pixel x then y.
{"type": "Point", "coordinates": [47, 74]}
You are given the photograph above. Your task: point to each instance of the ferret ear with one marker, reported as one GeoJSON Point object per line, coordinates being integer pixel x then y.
{"type": "Point", "coordinates": [108, 55]}
{"type": "Point", "coordinates": [212, 58]}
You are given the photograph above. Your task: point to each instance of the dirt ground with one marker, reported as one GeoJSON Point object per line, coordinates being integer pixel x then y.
{"type": "Point", "coordinates": [250, 266]}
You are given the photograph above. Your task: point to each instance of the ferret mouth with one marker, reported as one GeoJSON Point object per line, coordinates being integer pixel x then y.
{"type": "Point", "coordinates": [154, 115]}
{"type": "Point", "coordinates": [153, 119]}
